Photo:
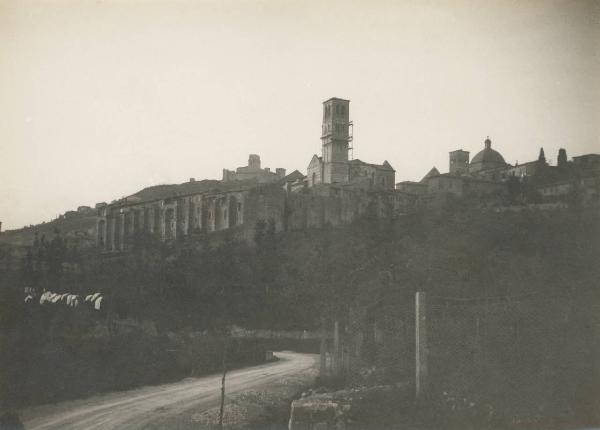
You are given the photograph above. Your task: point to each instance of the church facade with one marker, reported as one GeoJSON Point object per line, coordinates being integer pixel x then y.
{"type": "Point", "coordinates": [334, 165]}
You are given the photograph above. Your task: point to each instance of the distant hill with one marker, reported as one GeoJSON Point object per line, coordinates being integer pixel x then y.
{"type": "Point", "coordinates": [78, 226]}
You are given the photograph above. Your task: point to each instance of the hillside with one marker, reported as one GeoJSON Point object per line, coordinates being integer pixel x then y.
{"type": "Point", "coordinates": [80, 227]}
{"type": "Point", "coordinates": [508, 291]}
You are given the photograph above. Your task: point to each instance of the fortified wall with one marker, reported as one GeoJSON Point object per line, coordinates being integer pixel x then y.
{"type": "Point", "coordinates": [210, 206]}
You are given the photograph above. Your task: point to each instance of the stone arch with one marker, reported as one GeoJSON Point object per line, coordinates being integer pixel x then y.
{"type": "Point", "coordinates": [156, 221]}
{"type": "Point", "coordinates": [118, 238]}
{"type": "Point", "coordinates": [233, 211]}
{"type": "Point", "coordinates": [211, 214]}
{"type": "Point", "coordinates": [181, 213]}
{"type": "Point", "coordinates": [101, 233]}
{"type": "Point", "coordinates": [136, 222]}
{"type": "Point", "coordinates": [192, 222]}
{"type": "Point", "coordinates": [221, 215]}
{"type": "Point", "coordinates": [170, 224]}
{"type": "Point", "coordinates": [146, 218]}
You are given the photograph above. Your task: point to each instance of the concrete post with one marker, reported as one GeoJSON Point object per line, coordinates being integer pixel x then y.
{"type": "Point", "coordinates": [323, 355]}
{"type": "Point", "coordinates": [336, 348]}
{"type": "Point", "coordinates": [421, 343]}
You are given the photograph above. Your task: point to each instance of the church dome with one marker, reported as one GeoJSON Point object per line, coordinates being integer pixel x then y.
{"type": "Point", "coordinates": [487, 158]}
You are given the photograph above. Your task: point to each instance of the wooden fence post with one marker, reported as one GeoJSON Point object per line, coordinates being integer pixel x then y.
{"type": "Point", "coordinates": [336, 348]}
{"type": "Point", "coordinates": [421, 343]}
{"type": "Point", "coordinates": [323, 354]}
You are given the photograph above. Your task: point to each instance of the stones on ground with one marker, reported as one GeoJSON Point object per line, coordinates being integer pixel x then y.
{"type": "Point", "coordinates": [347, 409]}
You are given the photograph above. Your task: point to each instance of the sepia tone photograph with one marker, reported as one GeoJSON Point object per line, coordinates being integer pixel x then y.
{"type": "Point", "coordinates": [299, 215]}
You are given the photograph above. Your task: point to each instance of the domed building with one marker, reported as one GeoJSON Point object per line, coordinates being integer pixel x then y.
{"type": "Point", "coordinates": [486, 159]}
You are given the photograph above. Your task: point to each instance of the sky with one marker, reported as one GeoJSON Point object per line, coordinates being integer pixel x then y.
{"type": "Point", "coordinates": [99, 99]}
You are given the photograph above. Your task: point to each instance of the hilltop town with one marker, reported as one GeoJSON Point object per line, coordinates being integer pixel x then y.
{"type": "Point", "coordinates": [334, 190]}
{"type": "Point", "coordinates": [335, 257]}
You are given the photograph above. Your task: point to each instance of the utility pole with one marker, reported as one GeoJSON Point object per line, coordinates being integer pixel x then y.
{"type": "Point", "coordinates": [421, 343]}
{"type": "Point", "coordinates": [323, 352]}
{"type": "Point", "coordinates": [222, 407]}
{"type": "Point", "coordinates": [337, 356]}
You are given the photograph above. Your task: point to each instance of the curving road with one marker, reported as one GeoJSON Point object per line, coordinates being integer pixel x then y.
{"type": "Point", "coordinates": [136, 409]}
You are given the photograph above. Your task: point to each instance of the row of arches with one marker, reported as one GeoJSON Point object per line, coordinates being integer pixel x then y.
{"type": "Point", "coordinates": [169, 219]}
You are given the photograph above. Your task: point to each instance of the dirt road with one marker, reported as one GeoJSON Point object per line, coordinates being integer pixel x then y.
{"type": "Point", "coordinates": [138, 409]}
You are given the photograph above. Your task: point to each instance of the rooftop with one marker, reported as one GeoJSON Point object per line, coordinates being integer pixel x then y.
{"type": "Point", "coordinates": [336, 98]}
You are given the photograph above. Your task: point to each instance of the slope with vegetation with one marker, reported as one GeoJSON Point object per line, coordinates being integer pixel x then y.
{"type": "Point", "coordinates": [363, 275]}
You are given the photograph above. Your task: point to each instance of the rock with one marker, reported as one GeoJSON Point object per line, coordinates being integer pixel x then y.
{"type": "Point", "coordinates": [317, 413]}
{"type": "Point", "coordinates": [347, 409]}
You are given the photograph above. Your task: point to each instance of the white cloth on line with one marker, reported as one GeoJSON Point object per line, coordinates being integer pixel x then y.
{"type": "Point", "coordinates": [43, 298]}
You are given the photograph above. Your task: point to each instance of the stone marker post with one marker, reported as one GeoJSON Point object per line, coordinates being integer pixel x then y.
{"type": "Point", "coordinates": [421, 343]}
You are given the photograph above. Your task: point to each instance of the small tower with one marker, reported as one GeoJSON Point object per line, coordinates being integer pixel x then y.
{"type": "Point", "coordinates": [562, 158]}
{"type": "Point", "coordinates": [335, 140]}
{"type": "Point", "coordinates": [459, 162]}
{"type": "Point", "coordinates": [542, 157]}
{"type": "Point", "coordinates": [254, 162]}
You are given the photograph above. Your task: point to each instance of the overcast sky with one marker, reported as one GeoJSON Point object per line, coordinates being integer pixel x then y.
{"type": "Point", "coordinates": [99, 99]}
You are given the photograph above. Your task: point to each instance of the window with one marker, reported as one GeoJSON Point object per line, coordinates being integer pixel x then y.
{"type": "Point", "coordinates": [343, 109]}
{"type": "Point", "coordinates": [225, 214]}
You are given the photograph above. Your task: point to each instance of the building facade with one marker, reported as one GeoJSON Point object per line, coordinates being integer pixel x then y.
{"type": "Point", "coordinates": [253, 171]}
{"type": "Point", "coordinates": [334, 165]}
{"type": "Point", "coordinates": [175, 212]}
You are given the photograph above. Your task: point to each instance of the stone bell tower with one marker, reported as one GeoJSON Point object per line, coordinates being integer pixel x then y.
{"type": "Point", "coordinates": [335, 140]}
